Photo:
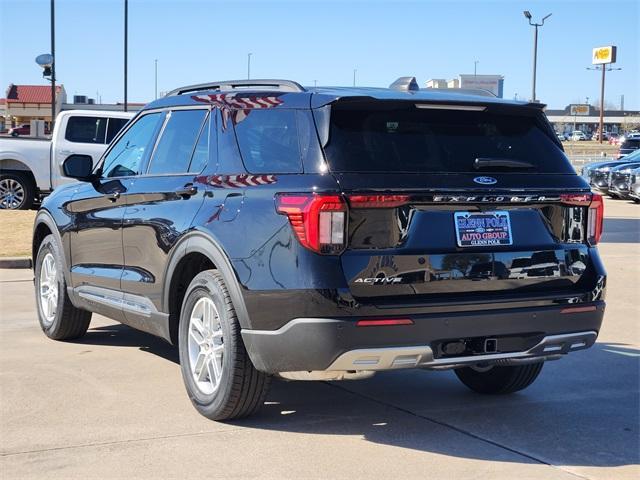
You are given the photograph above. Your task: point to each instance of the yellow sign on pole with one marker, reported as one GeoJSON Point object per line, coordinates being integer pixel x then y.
{"type": "Point", "coordinates": [602, 55]}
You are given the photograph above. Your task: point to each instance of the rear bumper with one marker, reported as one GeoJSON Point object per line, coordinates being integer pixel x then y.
{"type": "Point", "coordinates": [320, 344]}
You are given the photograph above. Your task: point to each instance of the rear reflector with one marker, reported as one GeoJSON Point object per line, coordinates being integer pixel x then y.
{"type": "Point", "coordinates": [377, 201]}
{"type": "Point", "coordinates": [318, 221]}
{"type": "Point", "coordinates": [590, 308]}
{"type": "Point", "coordinates": [382, 322]}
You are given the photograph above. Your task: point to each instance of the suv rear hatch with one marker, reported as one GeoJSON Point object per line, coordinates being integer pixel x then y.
{"type": "Point", "coordinates": [456, 201]}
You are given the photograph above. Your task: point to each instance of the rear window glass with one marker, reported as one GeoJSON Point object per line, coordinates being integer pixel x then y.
{"type": "Point", "coordinates": [86, 129]}
{"type": "Point", "coordinates": [632, 143]}
{"type": "Point", "coordinates": [399, 138]}
{"type": "Point", "coordinates": [268, 141]}
{"type": "Point", "coordinates": [114, 126]}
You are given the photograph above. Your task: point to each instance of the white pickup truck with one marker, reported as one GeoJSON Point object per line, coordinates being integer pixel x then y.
{"type": "Point", "coordinates": [30, 168]}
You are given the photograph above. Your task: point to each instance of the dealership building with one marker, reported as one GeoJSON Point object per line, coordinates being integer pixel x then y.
{"type": "Point", "coordinates": [587, 119]}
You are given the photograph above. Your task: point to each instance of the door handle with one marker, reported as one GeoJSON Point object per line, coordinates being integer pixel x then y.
{"type": "Point", "coordinates": [187, 191]}
{"type": "Point", "coordinates": [114, 196]}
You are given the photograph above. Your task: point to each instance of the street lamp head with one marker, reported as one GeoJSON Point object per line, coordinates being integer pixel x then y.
{"type": "Point", "coordinates": [527, 14]}
{"type": "Point", "coordinates": [44, 60]}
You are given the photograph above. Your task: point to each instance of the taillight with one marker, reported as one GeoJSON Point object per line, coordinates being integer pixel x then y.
{"type": "Point", "coordinates": [377, 201]}
{"type": "Point", "coordinates": [596, 212]}
{"type": "Point", "coordinates": [317, 220]}
{"type": "Point", "coordinates": [595, 218]}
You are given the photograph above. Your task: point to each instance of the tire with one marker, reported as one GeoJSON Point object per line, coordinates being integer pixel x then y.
{"type": "Point", "coordinates": [500, 380]}
{"type": "Point", "coordinates": [59, 319]}
{"type": "Point", "coordinates": [17, 191]}
{"type": "Point", "coordinates": [237, 389]}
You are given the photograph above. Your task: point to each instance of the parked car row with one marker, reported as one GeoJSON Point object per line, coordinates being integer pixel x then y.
{"type": "Point", "coordinates": [610, 137]}
{"type": "Point", "coordinates": [616, 178]}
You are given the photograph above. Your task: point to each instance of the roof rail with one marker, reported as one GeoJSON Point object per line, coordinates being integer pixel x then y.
{"type": "Point", "coordinates": [284, 85]}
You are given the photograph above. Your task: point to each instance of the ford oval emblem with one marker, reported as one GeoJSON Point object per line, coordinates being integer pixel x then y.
{"type": "Point", "coordinates": [485, 180]}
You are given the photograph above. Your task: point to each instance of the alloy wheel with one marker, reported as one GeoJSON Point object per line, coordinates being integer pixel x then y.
{"type": "Point", "coordinates": [11, 194]}
{"type": "Point", "coordinates": [206, 346]}
{"type": "Point", "coordinates": [48, 288]}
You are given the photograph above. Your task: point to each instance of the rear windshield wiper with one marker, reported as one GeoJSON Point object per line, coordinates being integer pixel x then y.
{"type": "Point", "coordinates": [484, 163]}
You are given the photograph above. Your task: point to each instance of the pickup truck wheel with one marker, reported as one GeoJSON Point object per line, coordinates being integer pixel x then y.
{"type": "Point", "coordinates": [220, 379]}
{"type": "Point", "coordinates": [59, 318]}
{"type": "Point", "coordinates": [17, 191]}
{"type": "Point", "coordinates": [500, 380]}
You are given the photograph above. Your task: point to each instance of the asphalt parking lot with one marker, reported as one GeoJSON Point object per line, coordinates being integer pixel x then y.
{"type": "Point", "coordinates": [113, 405]}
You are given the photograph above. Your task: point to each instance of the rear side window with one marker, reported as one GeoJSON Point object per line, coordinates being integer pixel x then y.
{"type": "Point", "coordinates": [86, 129]}
{"type": "Point", "coordinates": [268, 141]}
{"type": "Point", "coordinates": [176, 145]}
{"type": "Point", "coordinates": [404, 138]}
{"type": "Point", "coordinates": [114, 126]}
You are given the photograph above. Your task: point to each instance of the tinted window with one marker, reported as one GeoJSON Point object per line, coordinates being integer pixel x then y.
{"type": "Point", "coordinates": [399, 138]}
{"type": "Point", "coordinates": [176, 144]}
{"type": "Point", "coordinates": [268, 141]}
{"type": "Point", "coordinates": [127, 155]}
{"type": "Point", "coordinates": [114, 126]}
{"type": "Point", "coordinates": [200, 155]}
{"type": "Point", "coordinates": [631, 143]}
{"type": "Point", "coordinates": [86, 129]}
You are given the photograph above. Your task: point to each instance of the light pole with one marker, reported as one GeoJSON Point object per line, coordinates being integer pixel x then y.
{"type": "Point", "coordinates": [354, 76]}
{"type": "Point", "coordinates": [527, 14]}
{"type": "Point", "coordinates": [156, 72]}
{"type": "Point", "coordinates": [604, 69]}
{"type": "Point", "coordinates": [249, 65]}
{"type": "Point", "coordinates": [126, 39]}
{"type": "Point", "coordinates": [475, 67]}
{"type": "Point", "coordinates": [53, 65]}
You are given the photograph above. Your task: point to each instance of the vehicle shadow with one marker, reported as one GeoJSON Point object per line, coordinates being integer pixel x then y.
{"type": "Point", "coordinates": [119, 335]}
{"type": "Point", "coordinates": [583, 410]}
{"type": "Point", "coordinates": [621, 230]}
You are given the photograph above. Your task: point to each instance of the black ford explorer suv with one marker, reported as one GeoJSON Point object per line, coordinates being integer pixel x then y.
{"type": "Point", "coordinates": [328, 233]}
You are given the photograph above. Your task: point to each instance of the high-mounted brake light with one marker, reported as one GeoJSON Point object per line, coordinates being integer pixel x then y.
{"type": "Point", "coordinates": [317, 220]}
{"type": "Point", "coordinates": [595, 218]}
{"type": "Point", "coordinates": [377, 201]}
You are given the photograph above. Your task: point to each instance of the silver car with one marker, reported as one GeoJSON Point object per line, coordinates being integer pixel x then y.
{"type": "Point", "coordinates": [634, 185]}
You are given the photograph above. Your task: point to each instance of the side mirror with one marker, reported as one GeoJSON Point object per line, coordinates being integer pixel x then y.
{"type": "Point", "coordinates": [78, 167]}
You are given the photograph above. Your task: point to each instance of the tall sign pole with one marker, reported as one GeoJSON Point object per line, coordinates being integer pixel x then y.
{"type": "Point", "coordinates": [603, 56]}
{"type": "Point", "coordinates": [126, 31]}
{"type": "Point", "coordinates": [53, 66]}
{"type": "Point", "coordinates": [601, 128]}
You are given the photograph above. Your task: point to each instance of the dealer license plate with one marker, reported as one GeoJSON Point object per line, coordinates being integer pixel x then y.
{"type": "Point", "coordinates": [483, 229]}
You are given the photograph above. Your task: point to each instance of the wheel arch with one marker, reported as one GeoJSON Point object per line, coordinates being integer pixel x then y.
{"type": "Point", "coordinates": [44, 225]}
{"type": "Point", "coordinates": [205, 246]}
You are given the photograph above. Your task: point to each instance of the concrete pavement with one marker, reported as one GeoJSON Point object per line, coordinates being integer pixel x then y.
{"type": "Point", "coordinates": [112, 405]}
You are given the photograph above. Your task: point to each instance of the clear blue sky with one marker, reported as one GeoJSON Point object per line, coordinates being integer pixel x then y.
{"type": "Point", "coordinates": [197, 41]}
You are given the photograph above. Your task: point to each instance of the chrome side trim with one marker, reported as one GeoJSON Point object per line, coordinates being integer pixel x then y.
{"type": "Point", "coordinates": [390, 358]}
{"type": "Point", "coordinates": [114, 299]}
